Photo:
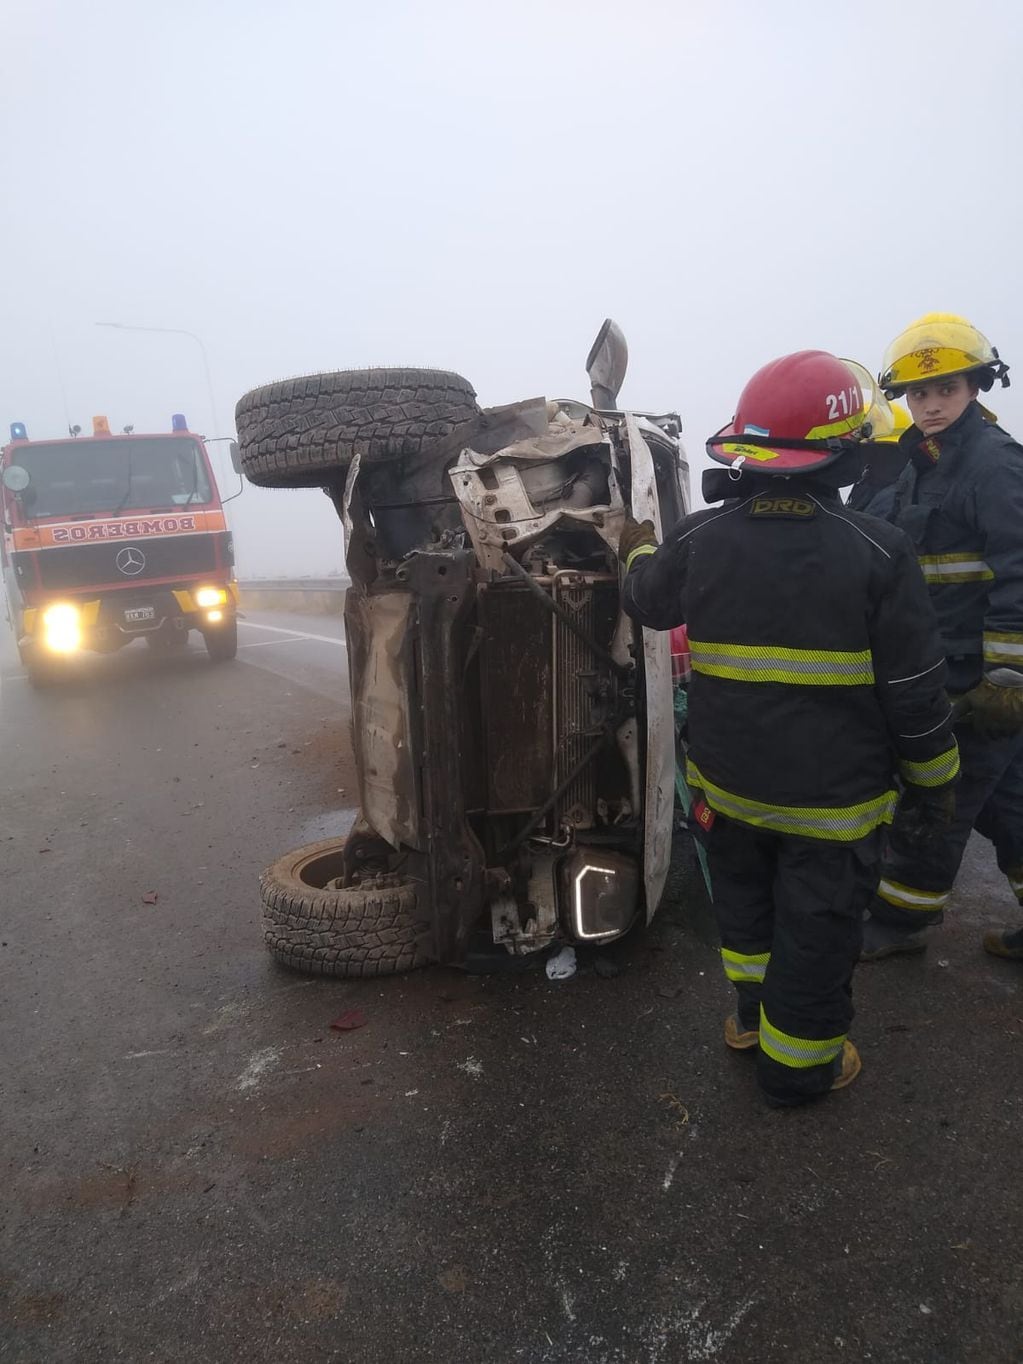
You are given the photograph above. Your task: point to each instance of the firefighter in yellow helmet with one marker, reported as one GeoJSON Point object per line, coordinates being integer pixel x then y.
{"type": "Point", "coordinates": [959, 497]}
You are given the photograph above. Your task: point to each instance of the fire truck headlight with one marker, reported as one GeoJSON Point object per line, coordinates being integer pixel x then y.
{"type": "Point", "coordinates": [210, 596]}
{"type": "Point", "coordinates": [62, 628]}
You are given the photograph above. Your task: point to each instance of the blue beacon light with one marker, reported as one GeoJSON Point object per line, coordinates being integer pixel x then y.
{"type": "Point", "coordinates": [18, 431]}
{"type": "Point", "coordinates": [179, 422]}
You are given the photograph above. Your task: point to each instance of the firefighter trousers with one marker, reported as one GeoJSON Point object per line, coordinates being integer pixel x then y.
{"type": "Point", "coordinates": [916, 883]}
{"type": "Point", "coordinates": [790, 914]}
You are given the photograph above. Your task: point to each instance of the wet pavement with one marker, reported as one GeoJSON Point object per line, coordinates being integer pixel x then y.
{"type": "Point", "coordinates": [197, 1168]}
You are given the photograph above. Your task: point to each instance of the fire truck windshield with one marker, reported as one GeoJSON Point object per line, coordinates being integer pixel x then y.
{"type": "Point", "coordinates": [135, 473]}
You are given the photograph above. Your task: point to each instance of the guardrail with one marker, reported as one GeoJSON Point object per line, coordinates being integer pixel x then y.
{"type": "Point", "coordinates": [323, 596]}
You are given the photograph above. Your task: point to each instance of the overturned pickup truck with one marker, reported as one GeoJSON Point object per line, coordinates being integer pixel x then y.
{"type": "Point", "coordinates": [513, 730]}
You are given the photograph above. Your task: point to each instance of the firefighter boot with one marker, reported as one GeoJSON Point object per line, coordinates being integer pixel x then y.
{"type": "Point", "coordinates": [849, 1067]}
{"type": "Point", "coordinates": [739, 1037]}
{"type": "Point", "coordinates": [882, 940]}
{"type": "Point", "coordinates": [1004, 942]}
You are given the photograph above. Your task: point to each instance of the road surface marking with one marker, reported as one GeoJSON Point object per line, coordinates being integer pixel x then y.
{"type": "Point", "coordinates": [273, 643]}
{"type": "Point", "coordinates": [297, 634]}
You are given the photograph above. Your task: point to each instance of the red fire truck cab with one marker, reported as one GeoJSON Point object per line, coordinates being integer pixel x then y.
{"type": "Point", "coordinates": [111, 537]}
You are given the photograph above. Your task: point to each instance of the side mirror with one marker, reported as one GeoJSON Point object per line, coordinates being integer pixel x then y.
{"type": "Point", "coordinates": [236, 458]}
{"type": "Point", "coordinates": [16, 478]}
{"type": "Point", "coordinates": [606, 365]}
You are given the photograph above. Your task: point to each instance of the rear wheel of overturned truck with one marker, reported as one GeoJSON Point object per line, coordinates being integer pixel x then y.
{"type": "Point", "coordinates": [314, 924]}
{"type": "Point", "coordinates": [301, 433]}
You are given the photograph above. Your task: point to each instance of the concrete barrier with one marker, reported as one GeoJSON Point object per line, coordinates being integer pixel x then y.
{"type": "Point", "coordinates": [317, 596]}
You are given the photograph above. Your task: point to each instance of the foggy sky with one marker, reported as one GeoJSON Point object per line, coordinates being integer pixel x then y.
{"type": "Point", "coordinates": [474, 187]}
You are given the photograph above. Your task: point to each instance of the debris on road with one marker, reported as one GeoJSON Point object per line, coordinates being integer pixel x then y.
{"type": "Point", "coordinates": [349, 1020]}
{"type": "Point", "coordinates": [562, 965]}
{"type": "Point", "coordinates": [150, 897]}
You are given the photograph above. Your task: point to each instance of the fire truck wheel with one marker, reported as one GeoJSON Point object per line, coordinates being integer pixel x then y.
{"type": "Point", "coordinates": [40, 670]}
{"type": "Point", "coordinates": [313, 925]}
{"type": "Point", "coordinates": [222, 644]}
{"type": "Point", "coordinates": [300, 433]}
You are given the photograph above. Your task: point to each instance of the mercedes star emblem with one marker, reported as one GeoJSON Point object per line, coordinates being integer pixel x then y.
{"type": "Point", "coordinates": [130, 561]}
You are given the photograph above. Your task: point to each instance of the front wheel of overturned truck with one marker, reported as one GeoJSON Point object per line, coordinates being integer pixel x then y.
{"type": "Point", "coordinates": [314, 924]}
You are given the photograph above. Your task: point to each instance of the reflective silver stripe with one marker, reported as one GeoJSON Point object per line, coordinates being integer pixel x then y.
{"type": "Point", "coordinates": [933, 729]}
{"type": "Point", "coordinates": [895, 681]}
{"type": "Point", "coordinates": [741, 967]}
{"type": "Point", "coordinates": [797, 1052]}
{"type": "Point", "coordinates": [935, 772]}
{"type": "Point", "coordinates": [820, 666]}
{"type": "Point", "coordinates": [840, 823]}
{"type": "Point", "coordinates": [1001, 651]}
{"type": "Point", "coordinates": [949, 568]}
{"type": "Point", "coordinates": [852, 526]}
{"type": "Point", "coordinates": [908, 897]}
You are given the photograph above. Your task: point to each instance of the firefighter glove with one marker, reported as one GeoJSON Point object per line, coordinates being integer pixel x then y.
{"type": "Point", "coordinates": [924, 814]}
{"type": "Point", "coordinates": [635, 535]}
{"type": "Point", "coordinates": [995, 705]}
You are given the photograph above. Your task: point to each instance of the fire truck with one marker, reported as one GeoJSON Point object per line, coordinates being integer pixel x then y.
{"type": "Point", "coordinates": [113, 537]}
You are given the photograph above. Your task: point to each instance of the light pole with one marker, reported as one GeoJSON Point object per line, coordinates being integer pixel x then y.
{"type": "Point", "coordinates": [177, 331]}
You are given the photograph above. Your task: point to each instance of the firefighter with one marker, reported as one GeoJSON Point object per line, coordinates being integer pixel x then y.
{"type": "Point", "coordinates": [960, 500]}
{"type": "Point", "coordinates": [816, 677]}
{"type": "Point", "coordinates": [883, 461]}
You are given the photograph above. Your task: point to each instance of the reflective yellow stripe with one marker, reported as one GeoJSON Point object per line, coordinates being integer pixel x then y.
{"type": "Point", "coordinates": [839, 823]}
{"type": "Point", "coordinates": [739, 967]}
{"type": "Point", "coordinates": [909, 897]}
{"type": "Point", "coordinates": [955, 568]}
{"type": "Point", "coordinates": [1002, 648]}
{"type": "Point", "coordinates": [90, 611]}
{"type": "Point", "coordinates": [28, 620]}
{"type": "Point", "coordinates": [637, 553]}
{"type": "Point", "coordinates": [184, 600]}
{"type": "Point", "coordinates": [797, 1052]}
{"type": "Point", "coordinates": [774, 663]}
{"type": "Point", "coordinates": [844, 426]}
{"type": "Point", "coordinates": [935, 772]}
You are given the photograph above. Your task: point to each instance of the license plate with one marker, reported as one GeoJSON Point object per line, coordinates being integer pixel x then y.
{"type": "Point", "coordinates": [134, 615]}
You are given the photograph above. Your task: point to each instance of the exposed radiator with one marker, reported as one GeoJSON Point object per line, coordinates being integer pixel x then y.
{"type": "Point", "coordinates": [575, 675]}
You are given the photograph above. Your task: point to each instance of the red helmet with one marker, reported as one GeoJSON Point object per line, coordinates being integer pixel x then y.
{"type": "Point", "coordinates": [800, 413]}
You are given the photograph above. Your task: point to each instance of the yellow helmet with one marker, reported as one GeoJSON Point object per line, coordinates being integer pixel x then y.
{"type": "Point", "coordinates": [938, 345]}
{"type": "Point", "coordinates": [901, 421]}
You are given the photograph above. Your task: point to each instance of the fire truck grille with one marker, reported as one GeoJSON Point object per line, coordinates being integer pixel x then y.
{"type": "Point", "coordinates": [73, 567]}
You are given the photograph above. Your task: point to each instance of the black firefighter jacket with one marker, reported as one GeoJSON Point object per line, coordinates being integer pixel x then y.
{"type": "Point", "coordinates": [817, 669]}
{"type": "Point", "coordinates": [960, 500]}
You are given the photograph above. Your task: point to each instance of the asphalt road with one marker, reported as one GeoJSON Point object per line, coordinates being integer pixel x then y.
{"type": "Point", "coordinates": [196, 1168]}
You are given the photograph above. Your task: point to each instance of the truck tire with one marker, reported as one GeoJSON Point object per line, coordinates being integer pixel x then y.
{"type": "Point", "coordinates": [222, 642]}
{"type": "Point", "coordinates": [300, 433]}
{"type": "Point", "coordinates": [313, 926]}
{"type": "Point", "coordinates": [42, 672]}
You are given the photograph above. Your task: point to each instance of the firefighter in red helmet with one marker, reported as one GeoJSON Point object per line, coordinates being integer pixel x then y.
{"type": "Point", "coordinates": [816, 697]}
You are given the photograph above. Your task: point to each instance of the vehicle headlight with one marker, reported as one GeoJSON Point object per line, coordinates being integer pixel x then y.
{"type": "Point", "coordinates": [62, 628]}
{"type": "Point", "coordinates": [211, 596]}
